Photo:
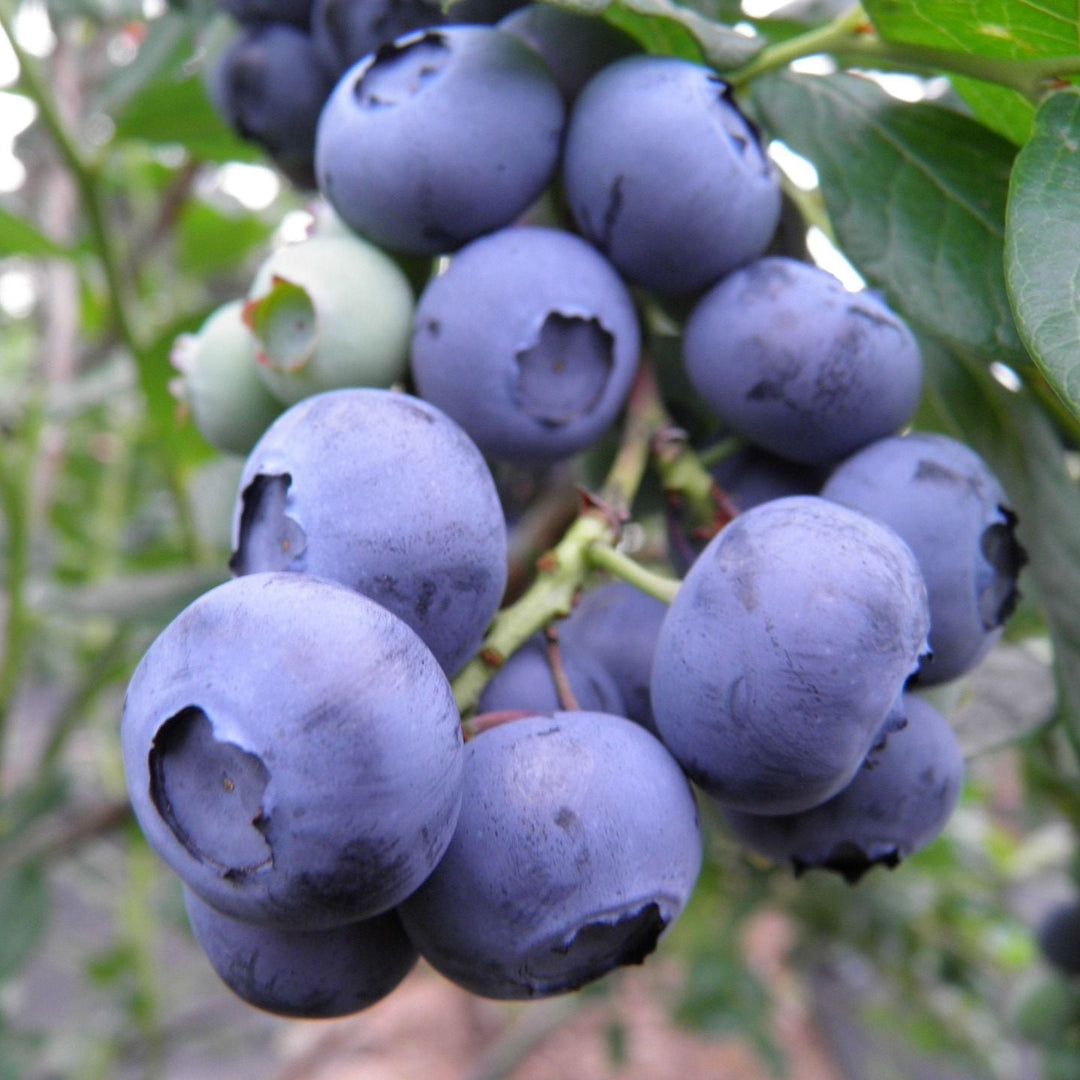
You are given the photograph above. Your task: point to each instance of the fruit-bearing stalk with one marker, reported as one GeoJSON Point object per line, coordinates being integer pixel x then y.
{"type": "Point", "coordinates": [591, 541]}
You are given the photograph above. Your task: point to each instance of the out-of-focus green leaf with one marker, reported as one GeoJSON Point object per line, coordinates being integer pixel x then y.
{"type": "Point", "coordinates": [1016, 29]}
{"type": "Point", "coordinates": [1015, 437]}
{"type": "Point", "coordinates": [168, 42]}
{"type": "Point", "coordinates": [663, 26]}
{"type": "Point", "coordinates": [19, 237]}
{"type": "Point", "coordinates": [178, 112]}
{"type": "Point", "coordinates": [149, 598]}
{"type": "Point", "coordinates": [916, 194]}
{"type": "Point", "coordinates": [23, 907]}
{"type": "Point", "coordinates": [210, 241]}
{"type": "Point", "coordinates": [1042, 244]}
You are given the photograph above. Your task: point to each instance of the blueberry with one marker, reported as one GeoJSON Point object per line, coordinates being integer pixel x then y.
{"type": "Point", "coordinates": [345, 31]}
{"type": "Point", "coordinates": [543, 323]}
{"type": "Point", "coordinates": [293, 751]}
{"type": "Point", "coordinates": [664, 174]}
{"type": "Point", "coordinates": [574, 46]}
{"type": "Point", "coordinates": [219, 382]}
{"type": "Point", "coordinates": [384, 493]}
{"type": "Point", "coordinates": [787, 643]}
{"type": "Point", "coordinates": [942, 498]}
{"type": "Point", "coordinates": [279, 114]}
{"type": "Point", "coordinates": [526, 682]}
{"type": "Point", "coordinates": [297, 12]}
{"type": "Point", "coordinates": [577, 845]}
{"type": "Point", "coordinates": [615, 628]}
{"type": "Point", "coordinates": [328, 312]}
{"type": "Point", "coordinates": [438, 137]}
{"type": "Point", "coordinates": [796, 364]}
{"type": "Point", "coordinates": [1059, 937]}
{"type": "Point", "coordinates": [304, 974]}
{"type": "Point", "coordinates": [893, 807]}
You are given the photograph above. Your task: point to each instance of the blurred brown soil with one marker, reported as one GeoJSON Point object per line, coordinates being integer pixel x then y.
{"type": "Point", "coordinates": [429, 1030]}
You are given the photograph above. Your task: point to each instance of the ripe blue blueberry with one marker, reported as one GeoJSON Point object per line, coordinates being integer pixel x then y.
{"type": "Point", "coordinates": [942, 498]}
{"type": "Point", "coordinates": [293, 751]}
{"type": "Point", "coordinates": [894, 806]}
{"type": "Point", "coordinates": [578, 844]}
{"type": "Point", "coordinates": [438, 137]}
{"type": "Point", "coordinates": [345, 31]}
{"type": "Point", "coordinates": [664, 174]}
{"type": "Point", "coordinates": [384, 493]}
{"type": "Point", "coordinates": [530, 340]}
{"type": "Point", "coordinates": [279, 114]}
{"type": "Point", "coordinates": [787, 643]}
{"type": "Point", "coordinates": [305, 974]}
{"type": "Point", "coordinates": [796, 364]}
{"type": "Point", "coordinates": [574, 46]}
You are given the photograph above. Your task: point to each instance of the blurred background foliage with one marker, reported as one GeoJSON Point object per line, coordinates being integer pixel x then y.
{"type": "Point", "coordinates": [128, 212]}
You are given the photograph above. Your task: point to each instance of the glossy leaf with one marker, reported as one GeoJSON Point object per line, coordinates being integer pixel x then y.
{"type": "Point", "coordinates": [663, 26]}
{"type": "Point", "coordinates": [916, 195]}
{"type": "Point", "coordinates": [1006, 28]}
{"type": "Point", "coordinates": [1043, 244]}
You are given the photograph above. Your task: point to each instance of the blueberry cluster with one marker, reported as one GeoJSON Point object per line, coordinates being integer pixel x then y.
{"type": "Point", "coordinates": [291, 741]}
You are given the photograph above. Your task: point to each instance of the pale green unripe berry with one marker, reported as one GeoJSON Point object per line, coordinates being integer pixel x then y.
{"type": "Point", "coordinates": [219, 382]}
{"type": "Point", "coordinates": [329, 312]}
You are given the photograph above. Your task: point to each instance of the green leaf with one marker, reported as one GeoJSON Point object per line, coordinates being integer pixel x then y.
{"type": "Point", "coordinates": [671, 29]}
{"type": "Point", "coordinates": [210, 242]}
{"type": "Point", "coordinates": [1015, 437]}
{"type": "Point", "coordinates": [178, 112]}
{"type": "Point", "coordinates": [19, 237]}
{"type": "Point", "coordinates": [1042, 250]}
{"type": "Point", "coordinates": [916, 195]}
{"type": "Point", "coordinates": [23, 903]}
{"type": "Point", "coordinates": [1016, 29]}
{"type": "Point", "coordinates": [1001, 109]}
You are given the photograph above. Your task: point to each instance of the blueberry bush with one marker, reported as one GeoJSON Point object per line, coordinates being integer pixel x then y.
{"type": "Point", "coordinates": [527, 489]}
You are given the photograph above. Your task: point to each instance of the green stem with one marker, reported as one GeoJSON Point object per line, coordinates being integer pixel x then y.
{"type": "Point", "coordinates": [564, 569]}
{"type": "Point", "coordinates": [822, 39]}
{"type": "Point", "coordinates": [603, 557]}
{"type": "Point", "coordinates": [850, 40]}
{"type": "Point", "coordinates": [16, 487]}
{"type": "Point", "coordinates": [86, 173]}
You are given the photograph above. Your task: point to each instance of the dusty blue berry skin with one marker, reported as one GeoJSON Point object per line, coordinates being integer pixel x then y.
{"type": "Point", "coordinates": [345, 31]}
{"type": "Point", "coordinates": [942, 498]}
{"type": "Point", "coordinates": [526, 683]}
{"type": "Point", "coordinates": [575, 47]}
{"type": "Point", "coordinates": [616, 626]}
{"type": "Point", "coordinates": [578, 843]}
{"type": "Point", "coordinates": [293, 751]}
{"type": "Point", "coordinates": [1058, 937]}
{"type": "Point", "coordinates": [891, 809]}
{"type": "Point", "coordinates": [384, 493]}
{"type": "Point", "coordinates": [796, 364]}
{"type": "Point", "coordinates": [441, 136]}
{"type": "Point", "coordinates": [297, 12]}
{"type": "Point", "coordinates": [304, 974]}
{"type": "Point", "coordinates": [249, 93]}
{"type": "Point", "coordinates": [642, 125]}
{"type": "Point", "coordinates": [530, 340]}
{"type": "Point", "coordinates": [789, 640]}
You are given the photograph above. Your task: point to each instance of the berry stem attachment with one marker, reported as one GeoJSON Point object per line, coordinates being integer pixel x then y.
{"type": "Point", "coordinates": [604, 557]}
